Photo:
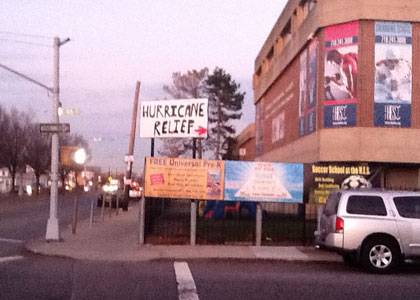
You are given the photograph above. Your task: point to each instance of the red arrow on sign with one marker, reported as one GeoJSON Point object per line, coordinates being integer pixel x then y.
{"type": "Point", "coordinates": [201, 130]}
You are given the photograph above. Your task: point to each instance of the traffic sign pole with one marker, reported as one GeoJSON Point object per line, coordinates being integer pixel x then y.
{"type": "Point", "coordinates": [53, 232]}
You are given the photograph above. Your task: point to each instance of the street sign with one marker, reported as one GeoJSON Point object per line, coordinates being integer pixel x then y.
{"type": "Point", "coordinates": [68, 111]}
{"type": "Point", "coordinates": [54, 127]}
{"type": "Point", "coordinates": [128, 158]}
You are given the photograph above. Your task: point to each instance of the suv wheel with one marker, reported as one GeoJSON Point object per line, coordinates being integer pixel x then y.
{"type": "Point", "coordinates": [380, 255]}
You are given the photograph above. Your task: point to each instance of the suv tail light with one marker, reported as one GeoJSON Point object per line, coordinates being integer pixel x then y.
{"type": "Point", "coordinates": [339, 225]}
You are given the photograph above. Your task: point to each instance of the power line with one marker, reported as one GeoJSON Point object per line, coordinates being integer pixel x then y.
{"type": "Point", "coordinates": [25, 42]}
{"type": "Point", "coordinates": [25, 34]}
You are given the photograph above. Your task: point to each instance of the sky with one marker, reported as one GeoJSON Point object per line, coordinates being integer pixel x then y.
{"type": "Point", "coordinates": [112, 45]}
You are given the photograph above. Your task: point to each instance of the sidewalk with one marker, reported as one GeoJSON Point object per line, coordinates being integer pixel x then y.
{"type": "Point", "coordinates": [116, 239]}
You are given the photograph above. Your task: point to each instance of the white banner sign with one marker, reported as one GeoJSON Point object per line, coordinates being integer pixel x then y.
{"type": "Point", "coordinates": [174, 118]}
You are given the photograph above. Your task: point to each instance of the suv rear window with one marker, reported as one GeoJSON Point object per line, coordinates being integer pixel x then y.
{"type": "Point", "coordinates": [408, 207]}
{"type": "Point", "coordinates": [332, 204]}
{"type": "Point", "coordinates": [366, 205]}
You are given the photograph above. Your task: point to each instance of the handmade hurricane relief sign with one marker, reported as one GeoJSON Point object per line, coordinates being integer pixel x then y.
{"type": "Point", "coordinates": [178, 118]}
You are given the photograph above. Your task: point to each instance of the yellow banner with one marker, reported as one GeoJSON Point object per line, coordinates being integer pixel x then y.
{"type": "Point", "coordinates": [184, 178]}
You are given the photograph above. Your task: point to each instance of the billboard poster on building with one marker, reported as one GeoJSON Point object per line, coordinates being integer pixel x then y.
{"type": "Point", "coordinates": [312, 87]}
{"type": "Point", "coordinates": [340, 75]}
{"type": "Point", "coordinates": [393, 74]}
{"type": "Point", "coordinates": [303, 90]}
{"type": "Point", "coordinates": [184, 178]}
{"type": "Point", "coordinates": [323, 178]}
{"type": "Point", "coordinates": [178, 118]}
{"type": "Point", "coordinates": [259, 131]}
{"type": "Point", "coordinates": [263, 182]}
{"type": "Point", "coordinates": [307, 89]}
{"type": "Point", "coordinates": [277, 127]}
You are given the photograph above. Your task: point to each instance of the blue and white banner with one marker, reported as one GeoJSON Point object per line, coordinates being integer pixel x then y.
{"type": "Point", "coordinates": [263, 182]}
{"type": "Point", "coordinates": [393, 74]}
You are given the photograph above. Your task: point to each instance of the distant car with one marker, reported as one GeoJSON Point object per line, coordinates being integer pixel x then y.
{"type": "Point", "coordinates": [376, 228]}
{"type": "Point", "coordinates": [112, 193]}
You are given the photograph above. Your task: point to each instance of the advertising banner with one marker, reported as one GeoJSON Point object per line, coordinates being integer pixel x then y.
{"type": "Point", "coordinates": [321, 179]}
{"type": "Point", "coordinates": [393, 75]}
{"type": "Point", "coordinates": [340, 75]}
{"type": "Point", "coordinates": [178, 118]}
{"type": "Point", "coordinates": [181, 178]}
{"type": "Point", "coordinates": [312, 87]}
{"type": "Point", "coordinates": [184, 178]}
{"type": "Point", "coordinates": [308, 89]}
{"type": "Point", "coordinates": [263, 182]}
{"type": "Point", "coordinates": [277, 127]}
{"type": "Point", "coordinates": [303, 90]}
{"type": "Point", "coordinates": [259, 131]}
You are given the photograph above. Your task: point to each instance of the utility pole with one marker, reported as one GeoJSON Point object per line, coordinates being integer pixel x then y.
{"type": "Point", "coordinates": [132, 140]}
{"type": "Point", "coordinates": [53, 231]}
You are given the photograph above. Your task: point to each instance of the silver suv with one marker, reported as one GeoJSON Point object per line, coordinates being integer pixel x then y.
{"type": "Point", "coordinates": [377, 228]}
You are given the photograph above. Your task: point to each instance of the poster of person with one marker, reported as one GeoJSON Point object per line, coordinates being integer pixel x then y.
{"type": "Point", "coordinates": [312, 88]}
{"type": "Point", "coordinates": [303, 90]}
{"type": "Point", "coordinates": [308, 89]}
{"type": "Point", "coordinates": [312, 73]}
{"type": "Point", "coordinates": [263, 182]}
{"type": "Point", "coordinates": [340, 74]}
{"type": "Point", "coordinates": [393, 74]}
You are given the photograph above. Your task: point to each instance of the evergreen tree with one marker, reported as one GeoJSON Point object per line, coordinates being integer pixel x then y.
{"type": "Point", "coordinates": [225, 105]}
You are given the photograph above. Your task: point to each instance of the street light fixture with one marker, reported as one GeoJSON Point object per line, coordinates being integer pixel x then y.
{"type": "Point", "coordinates": [80, 156]}
{"type": "Point", "coordinates": [53, 232]}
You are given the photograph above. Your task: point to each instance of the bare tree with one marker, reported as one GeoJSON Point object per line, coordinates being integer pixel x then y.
{"type": "Point", "coordinates": [184, 86]}
{"type": "Point", "coordinates": [4, 131]}
{"type": "Point", "coordinates": [15, 137]}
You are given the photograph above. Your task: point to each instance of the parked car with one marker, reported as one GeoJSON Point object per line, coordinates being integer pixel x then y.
{"type": "Point", "coordinates": [376, 228]}
{"type": "Point", "coordinates": [113, 192]}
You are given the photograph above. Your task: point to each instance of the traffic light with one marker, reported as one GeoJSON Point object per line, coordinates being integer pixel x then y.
{"type": "Point", "coordinates": [67, 155]}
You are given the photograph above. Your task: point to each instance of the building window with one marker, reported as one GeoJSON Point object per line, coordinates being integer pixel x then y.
{"type": "Point", "coordinates": [287, 32]}
{"type": "Point", "coordinates": [270, 53]}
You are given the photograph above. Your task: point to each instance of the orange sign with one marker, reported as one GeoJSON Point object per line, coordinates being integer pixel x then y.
{"type": "Point", "coordinates": [184, 178]}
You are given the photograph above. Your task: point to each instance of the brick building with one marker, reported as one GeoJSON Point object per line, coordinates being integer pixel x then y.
{"type": "Point", "coordinates": [337, 82]}
{"type": "Point", "coordinates": [246, 143]}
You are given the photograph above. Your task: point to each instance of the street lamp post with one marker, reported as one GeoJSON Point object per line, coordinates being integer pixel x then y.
{"type": "Point", "coordinates": [53, 231]}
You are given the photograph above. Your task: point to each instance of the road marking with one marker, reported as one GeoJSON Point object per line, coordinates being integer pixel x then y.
{"type": "Point", "coordinates": [13, 241]}
{"type": "Point", "coordinates": [10, 258]}
{"type": "Point", "coordinates": [185, 281]}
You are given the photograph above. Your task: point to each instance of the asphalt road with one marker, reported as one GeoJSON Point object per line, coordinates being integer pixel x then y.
{"type": "Point", "coordinates": [27, 276]}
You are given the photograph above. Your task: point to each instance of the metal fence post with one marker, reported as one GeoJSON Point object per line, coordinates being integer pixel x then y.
{"type": "Point", "coordinates": [141, 220]}
{"type": "Point", "coordinates": [258, 229]}
{"type": "Point", "coordinates": [92, 204]}
{"type": "Point", "coordinates": [193, 229]}
{"type": "Point", "coordinates": [75, 214]}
